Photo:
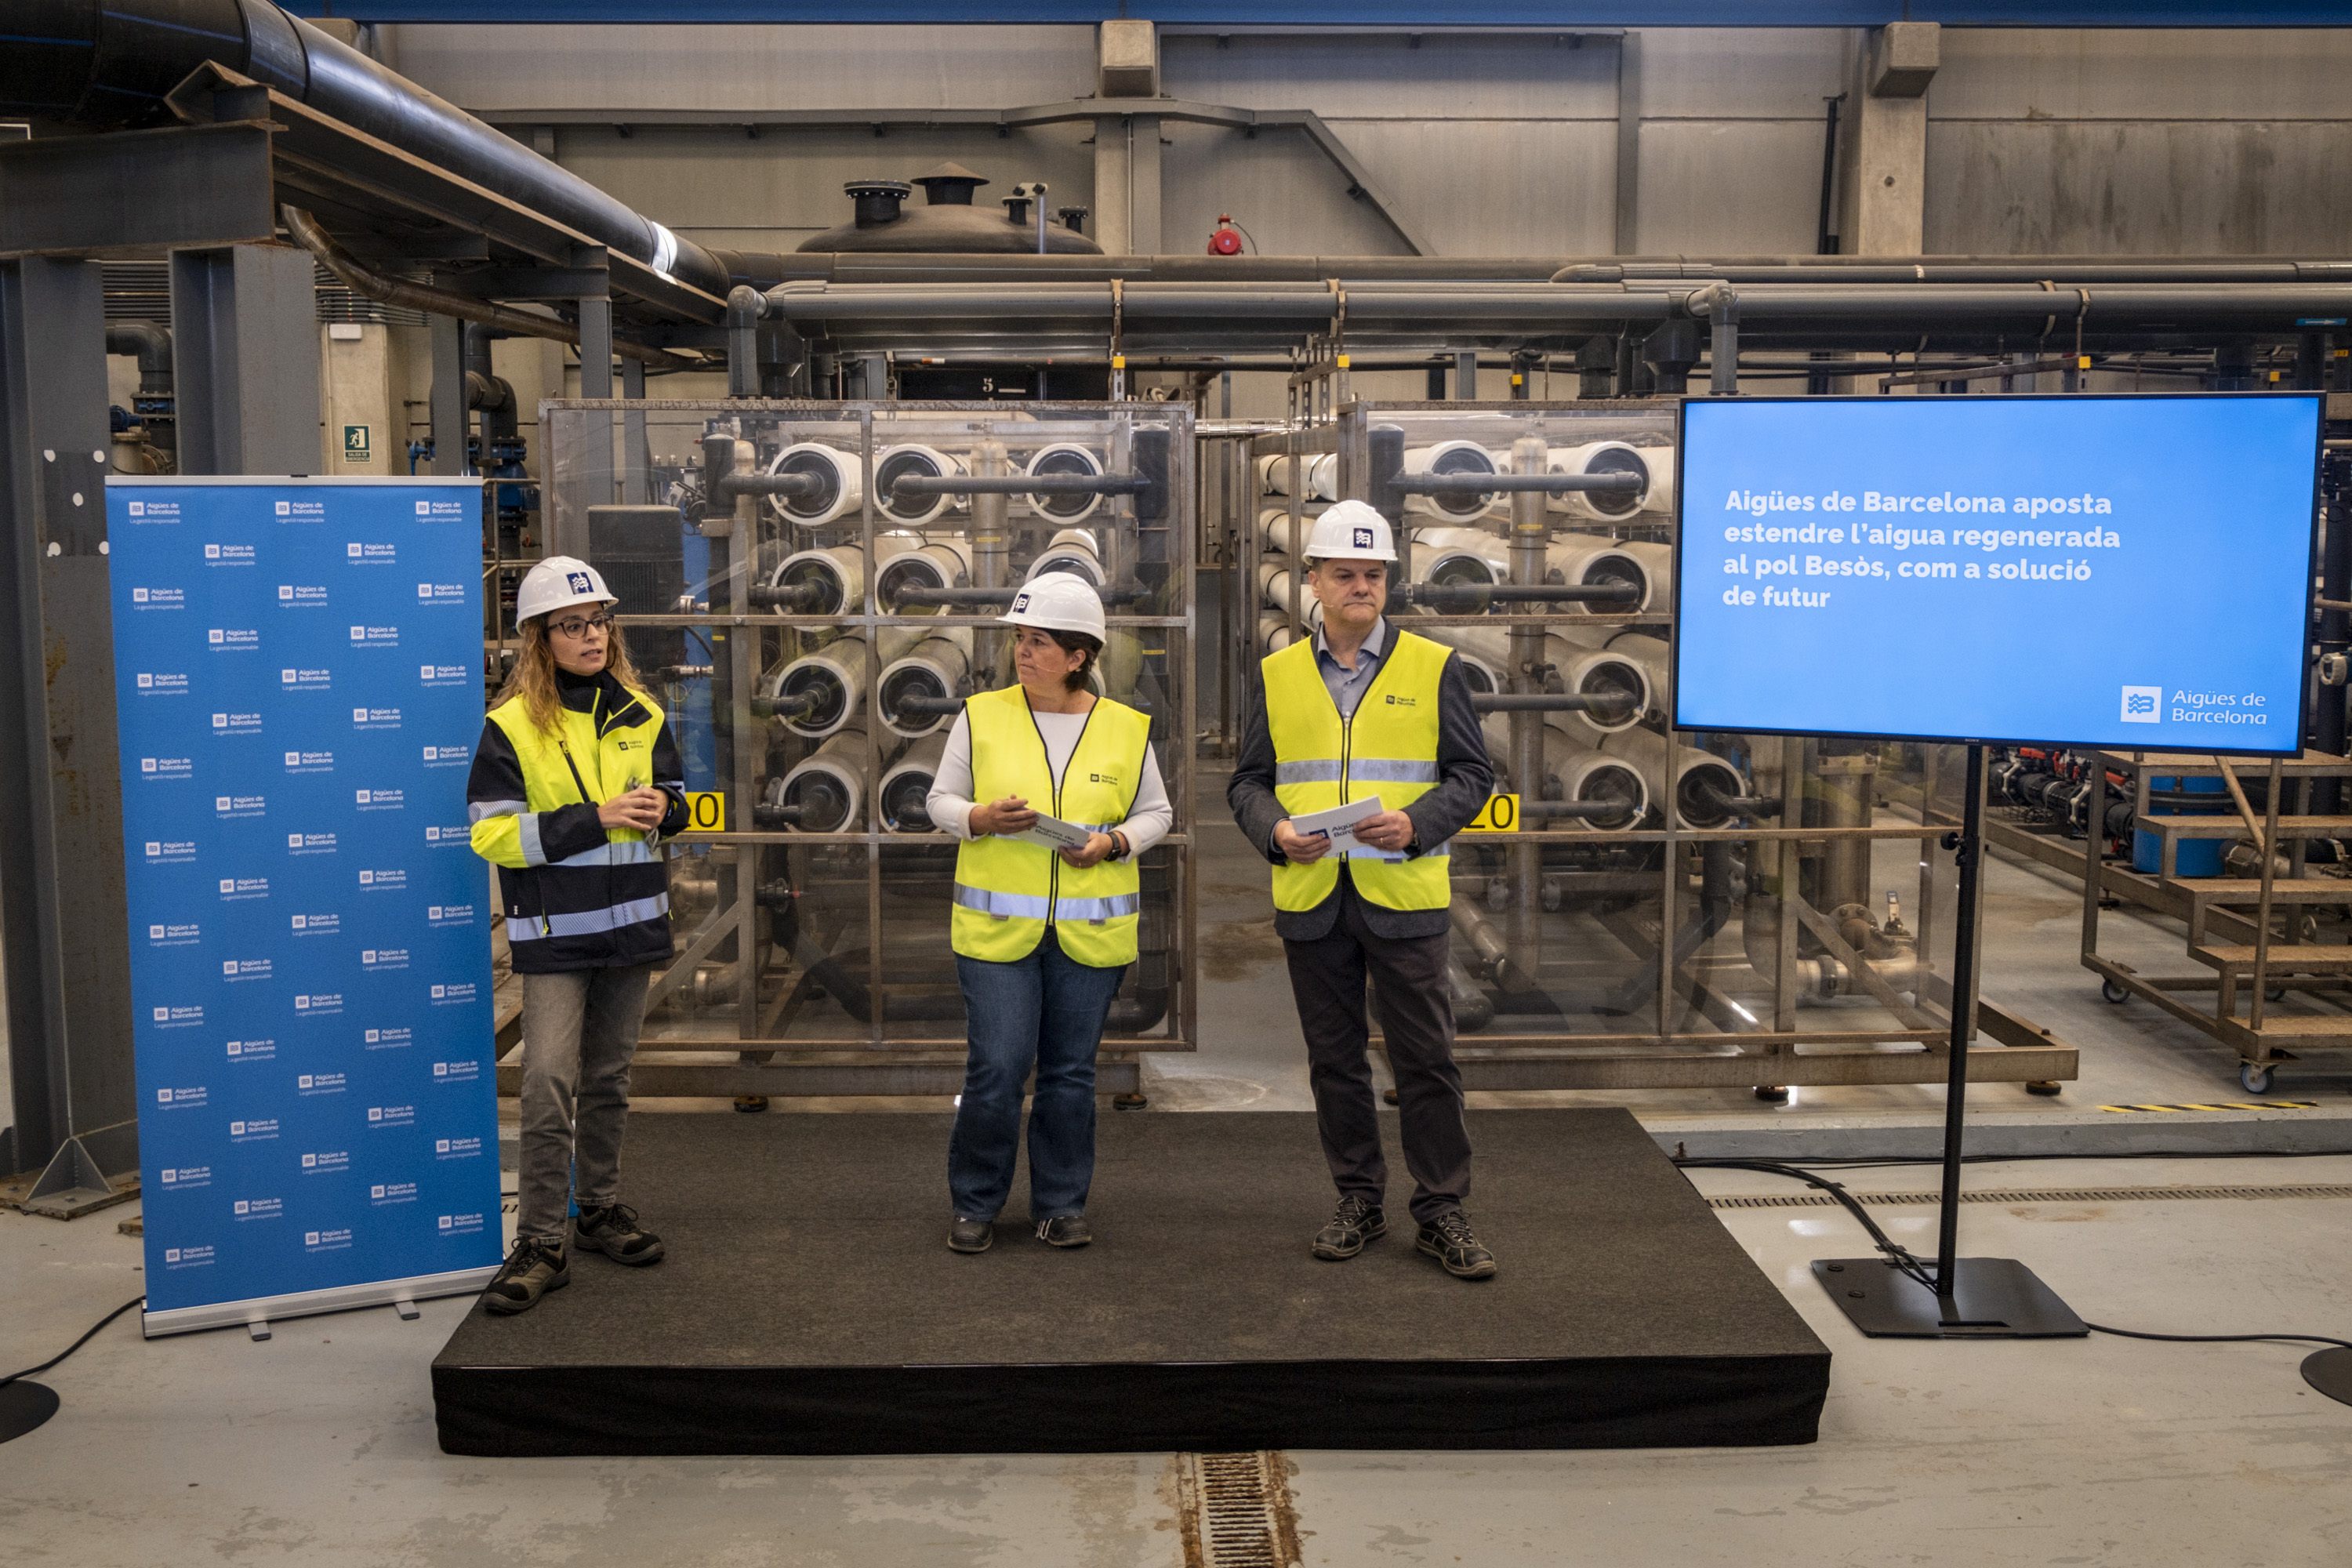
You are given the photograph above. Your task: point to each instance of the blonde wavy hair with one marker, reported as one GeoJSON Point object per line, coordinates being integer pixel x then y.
{"type": "Point", "coordinates": [532, 679]}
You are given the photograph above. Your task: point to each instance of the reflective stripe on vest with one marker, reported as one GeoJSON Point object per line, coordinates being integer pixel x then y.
{"type": "Point", "coordinates": [1387, 751]}
{"type": "Point", "coordinates": [588, 922]}
{"type": "Point", "coordinates": [1007, 892]}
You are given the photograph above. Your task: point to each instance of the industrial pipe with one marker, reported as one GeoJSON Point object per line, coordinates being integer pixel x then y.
{"type": "Point", "coordinates": [832, 483]}
{"type": "Point", "coordinates": [906, 789]}
{"type": "Point", "coordinates": [913, 461]}
{"type": "Point", "coordinates": [918, 691]}
{"type": "Point", "coordinates": [1701, 782]}
{"type": "Point", "coordinates": [828, 786]}
{"type": "Point", "coordinates": [371, 285]}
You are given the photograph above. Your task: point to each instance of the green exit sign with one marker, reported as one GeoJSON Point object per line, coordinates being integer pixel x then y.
{"type": "Point", "coordinates": [356, 448]}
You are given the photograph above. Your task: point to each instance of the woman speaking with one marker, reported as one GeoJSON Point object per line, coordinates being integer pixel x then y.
{"type": "Point", "coordinates": [576, 782]}
{"type": "Point", "coordinates": [1042, 933]}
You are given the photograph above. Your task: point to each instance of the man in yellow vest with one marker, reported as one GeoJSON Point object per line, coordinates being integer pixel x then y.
{"type": "Point", "coordinates": [1366, 710]}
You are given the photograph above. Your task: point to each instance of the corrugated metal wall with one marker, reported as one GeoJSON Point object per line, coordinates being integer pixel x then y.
{"type": "Point", "coordinates": [1493, 143]}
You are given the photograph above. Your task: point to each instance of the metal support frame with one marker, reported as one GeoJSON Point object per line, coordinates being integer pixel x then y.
{"type": "Point", "coordinates": [245, 356]}
{"type": "Point", "coordinates": [62, 900]}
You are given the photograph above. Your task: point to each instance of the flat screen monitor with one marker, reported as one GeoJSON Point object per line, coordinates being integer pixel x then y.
{"type": "Point", "coordinates": [2129, 572]}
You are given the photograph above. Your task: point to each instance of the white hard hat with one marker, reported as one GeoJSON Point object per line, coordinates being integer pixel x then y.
{"type": "Point", "coordinates": [1058, 602]}
{"type": "Point", "coordinates": [1350, 531]}
{"type": "Point", "coordinates": [558, 582]}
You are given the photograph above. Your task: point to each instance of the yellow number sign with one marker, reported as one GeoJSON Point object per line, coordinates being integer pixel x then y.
{"type": "Point", "coordinates": [1499, 815]}
{"type": "Point", "coordinates": [706, 811]}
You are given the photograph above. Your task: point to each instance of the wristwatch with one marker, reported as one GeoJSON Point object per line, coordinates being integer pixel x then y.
{"type": "Point", "coordinates": [1120, 848]}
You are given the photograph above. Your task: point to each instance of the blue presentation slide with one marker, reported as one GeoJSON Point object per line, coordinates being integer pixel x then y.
{"type": "Point", "coordinates": [2129, 572]}
{"type": "Point", "coordinates": [298, 677]}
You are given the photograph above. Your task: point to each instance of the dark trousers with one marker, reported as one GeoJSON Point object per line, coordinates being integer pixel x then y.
{"type": "Point", "coordinates": [1408, 978]}
{"type": "Point", "coordinates": [1045, 1011]}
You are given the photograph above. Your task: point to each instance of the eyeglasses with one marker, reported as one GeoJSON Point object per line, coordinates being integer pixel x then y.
{"type": "Point", "coordinates": [578, 626]}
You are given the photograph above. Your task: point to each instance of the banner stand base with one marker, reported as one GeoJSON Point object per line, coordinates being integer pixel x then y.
{"type": "Point", "coordinates": [256, 1316]}
{"type": "Point", "coordinates": [24, 1406]}
{"type": "Point", "coordinates": [1992, 1299]}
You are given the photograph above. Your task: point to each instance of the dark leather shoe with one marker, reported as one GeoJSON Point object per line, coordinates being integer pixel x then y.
{"type": "Point", "coordinates": [1353, 1222]}
{"type": "Point", "coordinates": [969, 1235]}
{"type": "Point", "coordinates": [1448, 1238]}
{"type": "Point", "coordinates": [1066, 1230]}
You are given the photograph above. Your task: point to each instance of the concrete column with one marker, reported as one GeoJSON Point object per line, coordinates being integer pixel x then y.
{"type": "Point", "coordinates": [1884, 197]}
{"type": "Point", "coordinates": [1112, 192]}
{"type": "Point", "coordinates": [355, 392]}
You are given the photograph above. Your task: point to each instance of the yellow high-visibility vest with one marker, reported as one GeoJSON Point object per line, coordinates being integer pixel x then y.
{"type": "Point", "coordinates": [1007, 892]}
{"type": "Point", "coordinates": [1388, 750]}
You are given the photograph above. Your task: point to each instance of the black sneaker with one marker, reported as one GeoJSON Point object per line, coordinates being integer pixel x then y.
{"type": "Point", "coordinates": [1068, 1230]}
{"type": "Point", "coordinates": [531, 1271]}
{"type": "Point", "coordinates": [1448, 1239]}
{"type": "Point", "coordinates": [614, 1231]}
{"type": "Point", "coordinates": [969, 1235]}
{"type": "Point", "coordinates": [1353, 1222]}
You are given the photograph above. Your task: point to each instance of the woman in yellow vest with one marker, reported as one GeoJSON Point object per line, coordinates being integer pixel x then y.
{"type": "Point", "coordinates": [1043, 933]}
{"type": "Point", "coordinates": [575, 783]}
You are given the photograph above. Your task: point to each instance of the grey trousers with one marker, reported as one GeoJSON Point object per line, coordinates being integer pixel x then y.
{"type": "Point", "coordinates": [579, 1032]}
{"type": "Point", "coordinates": [1408, 979]}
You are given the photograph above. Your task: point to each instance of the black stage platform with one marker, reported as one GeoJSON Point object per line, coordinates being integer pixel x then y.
{"type": "Point", "coordinates": [808, 1305]}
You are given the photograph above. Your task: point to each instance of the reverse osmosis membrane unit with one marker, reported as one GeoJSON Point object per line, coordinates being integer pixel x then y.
{"type": "Point", "coordinates": [818, 952]}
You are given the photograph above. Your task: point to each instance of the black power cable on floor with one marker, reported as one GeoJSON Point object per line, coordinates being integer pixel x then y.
{"type": "Point", "coordinates": [87, 1337]}
{"type": "Point", "coordinates": [1903, 1259]}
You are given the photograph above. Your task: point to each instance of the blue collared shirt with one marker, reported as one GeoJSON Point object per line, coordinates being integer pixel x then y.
{"type": "Point", "coordinates": [1347, 685]}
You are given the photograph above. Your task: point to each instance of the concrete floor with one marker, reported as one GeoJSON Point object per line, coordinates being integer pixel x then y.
{"type": "Point", "coordinates": [317, 1447]}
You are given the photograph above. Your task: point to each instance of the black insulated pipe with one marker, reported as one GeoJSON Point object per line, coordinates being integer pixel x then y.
{"type": "Point", "coordinates": [103, 65]}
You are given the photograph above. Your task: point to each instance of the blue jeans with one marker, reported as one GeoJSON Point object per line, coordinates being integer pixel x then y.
{"type": "Point", "coordinates": [1045, 1011]}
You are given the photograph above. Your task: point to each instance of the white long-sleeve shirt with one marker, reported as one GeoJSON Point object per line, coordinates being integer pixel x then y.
{"type": "Point", "coordinates": [1148, 821]}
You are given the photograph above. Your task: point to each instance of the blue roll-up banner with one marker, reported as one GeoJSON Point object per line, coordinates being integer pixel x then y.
{"type": "Point", "coordinates": [298, 675]}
